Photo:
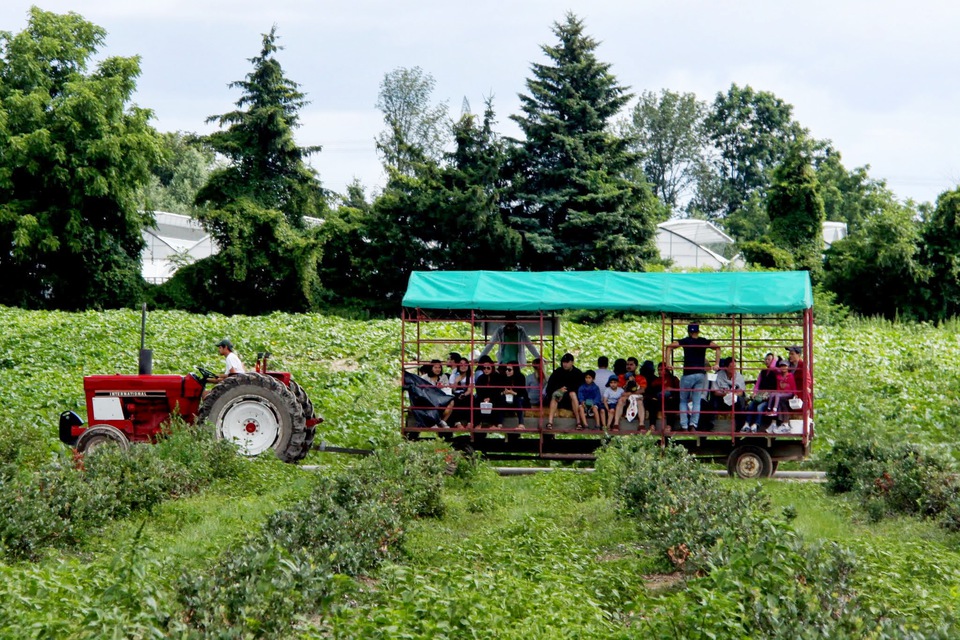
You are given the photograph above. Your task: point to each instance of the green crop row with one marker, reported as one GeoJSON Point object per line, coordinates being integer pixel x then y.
{"type": "Point", "coordinates": [872, 376]}
{"type": "Point", "coordinates": [302, 561]}
{"type": "Point", "coordinates": [894, 478]}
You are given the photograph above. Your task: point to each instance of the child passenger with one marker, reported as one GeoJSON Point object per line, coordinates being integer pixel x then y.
{"type": "Point", "coordinates": [786, 389]}
{"type": "Point", "coordinates": [590, 398]}
{"type": "Point", "coordinates": [611, 396]}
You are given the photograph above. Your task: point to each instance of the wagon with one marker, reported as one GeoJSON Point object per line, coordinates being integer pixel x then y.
{"type": "Point", "coordinates": [746, 315]}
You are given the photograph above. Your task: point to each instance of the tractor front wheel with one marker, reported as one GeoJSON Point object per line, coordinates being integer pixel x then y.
{"type": "Point", "coordinates": [256, 413]}
{"type": "Point", "coordinates": [99, 435]}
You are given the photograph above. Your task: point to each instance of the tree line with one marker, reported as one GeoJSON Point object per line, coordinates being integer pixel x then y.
{"type": "Point", "coordinates": [596, 168]}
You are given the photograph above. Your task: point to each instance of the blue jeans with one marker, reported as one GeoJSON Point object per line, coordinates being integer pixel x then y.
{"type": "Point", "coordinates": [755, 411]}
{"type": "Point", "coordinates": [693, 386]}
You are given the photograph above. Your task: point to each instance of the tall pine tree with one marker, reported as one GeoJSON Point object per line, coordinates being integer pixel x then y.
{"type": "Point", "coordinates": [254, 207]}
{"type": "Point", "coordinates": [574, 201]}
{"type": "Point", "coordinates": [265, 165]}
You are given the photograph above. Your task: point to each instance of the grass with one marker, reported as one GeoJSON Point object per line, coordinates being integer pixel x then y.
{"type": "Point", "coordinates": [536, 557]}
{"type": "Point", "coordinates": [191, 531]}
{"type": "Point", "coordinates": [909, 563]}
{"type": "Point", "coordinates": [521, 557]}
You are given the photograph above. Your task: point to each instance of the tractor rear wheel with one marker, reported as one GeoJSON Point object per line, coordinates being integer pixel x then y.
{"type": "Point", "coordinates": [307, 406]}
{"type": "Point", "coordinates": [99, 435]}
{"type": "Point", "coordinates": [256, 413]}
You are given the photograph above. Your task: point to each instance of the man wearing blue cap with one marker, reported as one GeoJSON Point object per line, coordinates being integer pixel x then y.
{"type": "Point", "coordinates": [693, 383]}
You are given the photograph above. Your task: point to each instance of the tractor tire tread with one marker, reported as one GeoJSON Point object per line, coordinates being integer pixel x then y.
{"type": "Point", "coordinates": [289, 449]}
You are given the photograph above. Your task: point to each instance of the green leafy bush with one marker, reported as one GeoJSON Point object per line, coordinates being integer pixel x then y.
{"type": "Point", "coordinates": [117, 597]}
{"type": "Point", "coordinates": [675, 502]}
{"type": "Point", "coordinates": [61, 504]}
{"type": "Point", "coordinates": [257, 590]}
{"type": "Point", "coordinates": [755, 577]}
{"type": "Point", "coordinates": [893, 477]}
{"type": "Point", "coordinates": [409, 475]}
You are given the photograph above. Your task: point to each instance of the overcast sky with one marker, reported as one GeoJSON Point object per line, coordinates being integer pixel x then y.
{"type": "Point", "coordinates": [876, 77]}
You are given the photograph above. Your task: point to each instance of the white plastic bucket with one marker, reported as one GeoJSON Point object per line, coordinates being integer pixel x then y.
{"type": "Point", "coordinates": [711, 376]}
{"type": "Point", "coordinates": [796, 404]}
{"type": "Point", "coordinates": [486, 408]}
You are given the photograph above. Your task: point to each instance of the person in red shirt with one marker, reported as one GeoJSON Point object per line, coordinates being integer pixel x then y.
{"type": "Point", "coordinates": [662, 390]}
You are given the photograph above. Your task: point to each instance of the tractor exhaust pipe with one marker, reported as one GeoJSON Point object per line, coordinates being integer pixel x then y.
{"type": "Point", "coordinates": [146, 355]}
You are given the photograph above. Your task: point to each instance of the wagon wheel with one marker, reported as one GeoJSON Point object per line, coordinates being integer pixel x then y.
{"type": "Point", "coordinates": [749, 462]}
{"type": "Point", "coordinates": [257, 413]}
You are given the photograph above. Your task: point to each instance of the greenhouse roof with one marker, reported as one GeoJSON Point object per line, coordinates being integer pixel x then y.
{"type": "Point", "coordinates": [726, 292]}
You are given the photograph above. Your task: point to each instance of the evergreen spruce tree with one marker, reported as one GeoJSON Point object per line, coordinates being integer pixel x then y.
{"type": "Point", "coordinates": [440, 216]}
{"type": "Point", "coordinates": [574, 201]}
{"type": "Point", "coordinates": [265, 165]}
{"type": "Point", "coordinates": [254, 207]}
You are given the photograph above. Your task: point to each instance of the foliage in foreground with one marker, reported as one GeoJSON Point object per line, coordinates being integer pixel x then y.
{"type": "Point", "coordinates": [63, 503]}
{"type": "Point", "coordinates": [755, 576]}
{"type": "Point", "coordinates": [893, 478]}
{"type": "Point", "coordinates": [521, 557]}
{"type": "Point", "coordinates": [301, 560]}
{"type": "Point", "coordinates": [299, 563]}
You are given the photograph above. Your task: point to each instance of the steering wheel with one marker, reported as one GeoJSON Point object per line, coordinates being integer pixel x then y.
{"type": "Point", "coordinates": [206, 373]}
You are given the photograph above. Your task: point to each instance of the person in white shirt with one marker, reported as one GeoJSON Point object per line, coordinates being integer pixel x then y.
{"type": "Point", "coordinates": [233, 364]}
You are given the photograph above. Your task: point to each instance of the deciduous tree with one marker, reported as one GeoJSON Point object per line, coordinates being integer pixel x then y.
{"type": "Point", "coordinates": [751, 132]}
{"type": "Point", "coordinates": [74, 155]}
{"type": "Point", "coordinates": [877, 269]}
{"type": "Point", "coordinates": [941, 256]}
{"type": "Point", "coordinates": [414, 127]}
{"type": "Point", "coordinates": [184, 170]}
{"type": "Point", "coordinates": [667, 130]}
{"type": "Point", "coordinates": [796, 210]}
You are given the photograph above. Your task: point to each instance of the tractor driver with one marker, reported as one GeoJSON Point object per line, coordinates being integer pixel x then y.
{"type": "Point", "coordinates": [233, 364]}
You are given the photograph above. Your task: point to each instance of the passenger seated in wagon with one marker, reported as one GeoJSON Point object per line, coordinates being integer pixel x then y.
{"type": "Point", "coordinates": [766, 382]}
{"type": "Point", "coordinates": [663, 393]}
{"type": "Point", "coordinates": [513, 396]}
{"type": "Point", "coordinates": [562, 388]}
{"type": "Point", "coordinates": [590, 399]}
{"type": "Point", "coordinates": [728, 393]}
{"type": "Point", "coordinates": [489, 386]}
{"type": "Point", "coordinates": [778, 405]}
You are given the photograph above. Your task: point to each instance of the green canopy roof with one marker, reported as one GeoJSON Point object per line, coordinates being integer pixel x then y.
{"type": "Point", "coordinates": [726, 292]}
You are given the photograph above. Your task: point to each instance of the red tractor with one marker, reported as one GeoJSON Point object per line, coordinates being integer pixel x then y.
{"type": "Point", "coordinates": [257, 411]}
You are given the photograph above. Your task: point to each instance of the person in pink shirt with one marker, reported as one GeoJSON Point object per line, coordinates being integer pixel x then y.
{"type": "Point", "coordinates": [778, 404]}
